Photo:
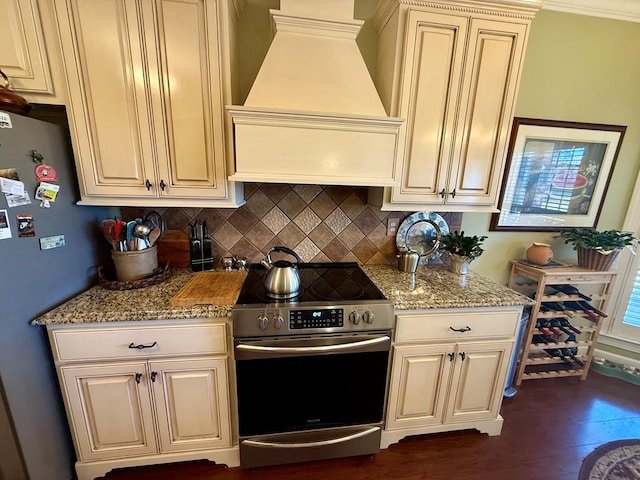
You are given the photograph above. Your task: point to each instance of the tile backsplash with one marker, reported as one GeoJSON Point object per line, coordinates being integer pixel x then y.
{"type": "Point", "coordinates": [320, 223]}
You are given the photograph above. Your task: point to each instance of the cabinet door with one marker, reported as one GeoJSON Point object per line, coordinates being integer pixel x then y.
{"type": "Point", "coordinates": [188, 111]}
{"type": "Point", "coordinates": [430, 88]}
{"type": "Point", "coordinates": [110, 410]}
{"type": "Point", "coordinates": [478, 381]}
{"type": "Point", "coordinates": [419, 379]}
{"type": "Point", "coordinates": [192, 403]}
{"type": "Point", "coordinates": [492, 72]}
{"type": "Point", "coordinates": [102, 45]}
{"type": "Point", "coordinates": [23, 56]}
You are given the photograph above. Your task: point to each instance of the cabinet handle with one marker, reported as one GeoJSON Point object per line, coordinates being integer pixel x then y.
{"type": "Point", "coordinates": [442, 193]}
{"type": "Point", "coordinates": [453, 193]}
{"type": "Point", "coordinates": [462, 356]}
{"type": "Point", "coordinates": [462, 330]}
{"type": "Point", "coordinates": [162, 185]}
{"type": "Point", "coordinates": [148, 184]}
{"type": "Point", "coordinates": [138, 377]}
{"type": "Point", "coordinates": [140, 347]}
{"type": "Point", "coordinates": [153, 376]}
{"type": "Point", "coordinates": [451, 356]}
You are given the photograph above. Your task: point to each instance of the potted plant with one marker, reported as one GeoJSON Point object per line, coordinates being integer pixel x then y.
{"type": "Point", "coordinates": [462, 250]}
{"type": "Point", "coordinates": [598, 250]}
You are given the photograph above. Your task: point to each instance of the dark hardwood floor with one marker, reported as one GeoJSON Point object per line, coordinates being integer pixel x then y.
{"type": "Point", "coordinates": [549, 427]}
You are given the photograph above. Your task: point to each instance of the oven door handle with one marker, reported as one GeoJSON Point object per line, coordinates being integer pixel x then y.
{"type": "Point", "coordinates": [314, 350]}
{"type": "Point", "coordinates": [321, 443]}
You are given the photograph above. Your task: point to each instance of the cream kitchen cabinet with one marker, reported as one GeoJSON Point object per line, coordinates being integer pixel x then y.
{"type": "Point", "coordinates": [451, 69]}
{"type": "Point", "coordinates": [30, 55]}
{"type": "Point", "coordinates": [145, 394]}
{"type": "Point", "coordinates": [449, 371]}
{"type": "Point", "coordinates": [148, 81]}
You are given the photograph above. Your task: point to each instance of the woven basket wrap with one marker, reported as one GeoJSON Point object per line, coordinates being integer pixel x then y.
{"type": "Point", "coordinates": [594, 260]}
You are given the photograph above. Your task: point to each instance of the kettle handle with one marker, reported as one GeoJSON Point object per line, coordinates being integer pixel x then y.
{"type": "Point", "coordinates": [284, 250]}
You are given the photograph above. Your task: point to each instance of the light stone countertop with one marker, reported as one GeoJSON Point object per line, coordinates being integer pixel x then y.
{"type": "Point", "coordinates": [434, 288]}
{"type": "Point", "coordinates": [440, 288]}
{"type": "Point", "coordinates": [99, 304]}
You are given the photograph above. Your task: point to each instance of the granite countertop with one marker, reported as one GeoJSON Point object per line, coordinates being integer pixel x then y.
{"type": "Point", "coordinates": [434, 288]}
{"type": "Point", "coordinates": [440, 288]}
{"type": "Point", "coordinates": [99, 304]}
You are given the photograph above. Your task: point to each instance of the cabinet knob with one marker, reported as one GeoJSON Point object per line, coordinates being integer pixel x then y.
{"type": "Point", "coordinates": [451, 356]}
{"type": "Point", "coordinates": [154, 375]}
{"type": "Point", "coordinates": [148, 184]}
{"type": "Point", "coordinates": [442, 193]}
{"type": "Point", "coordinates": [463, 356]}
{"type": "Point", "coordinates": [162, 185]}
{"type": "Point", "coordinates": [453, 193]}
{"type": "Point", "coordinates": [138, 377]}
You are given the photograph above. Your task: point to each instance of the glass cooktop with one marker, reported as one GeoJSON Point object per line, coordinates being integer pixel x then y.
{"type": "Point", "coordinates": [321, 282]}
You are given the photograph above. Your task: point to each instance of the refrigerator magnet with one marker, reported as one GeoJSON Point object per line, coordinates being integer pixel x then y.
{"type": "Point", "coordinates": [26, 227]}
{"type": "Point", "coordinates": [46, 173]}
{"type": "Point", "coordinates": [5, 229]}
{"type": "Point", "coordinates": [47, 193]}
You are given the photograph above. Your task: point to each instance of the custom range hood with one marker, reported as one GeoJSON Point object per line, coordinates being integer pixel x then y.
{"type": "Point", "coordinates": [313, 114]}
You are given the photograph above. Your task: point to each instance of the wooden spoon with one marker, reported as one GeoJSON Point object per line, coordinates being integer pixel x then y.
{"type": "Point", "coordinates": [153, 236]}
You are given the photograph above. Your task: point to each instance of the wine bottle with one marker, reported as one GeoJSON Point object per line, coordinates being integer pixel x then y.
{"type": "Point", "coordinates": [567, 323]}
{"type": "Point", "coordinates": [570, 290]}
{"type": "Point", "coordinates": [195, 248]}
{"type": "Point", "coordinates": [571, 352]}
{"type": "Point", "coordinates": [580, 307]}
{"type": "Point", "coordinates": [544, 333]}
{"type": "Point", "coordinates": [207, 256]}
{"type": "Point", "coordinates": [556, 323]}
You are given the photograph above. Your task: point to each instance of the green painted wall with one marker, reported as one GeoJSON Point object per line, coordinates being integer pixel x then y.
{"type": "Point", "coordinates": [577, 68]}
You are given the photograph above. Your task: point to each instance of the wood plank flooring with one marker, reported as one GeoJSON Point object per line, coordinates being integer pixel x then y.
{"type": "Point", "coordinates": [550, 426]}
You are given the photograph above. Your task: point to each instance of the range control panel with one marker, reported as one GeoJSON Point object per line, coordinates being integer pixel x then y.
{"type": "Point", "coordinates": [320, 318]}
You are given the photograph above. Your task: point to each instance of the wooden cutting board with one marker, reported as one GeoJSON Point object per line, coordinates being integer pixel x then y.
{"type": "Point", "coordinates": [173, 248]}
{"type": "Point", "coordinates": [210, 288]}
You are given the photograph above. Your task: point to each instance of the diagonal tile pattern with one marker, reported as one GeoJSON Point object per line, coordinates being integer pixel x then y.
{"type": "Point", "coordinates": [320, 223]}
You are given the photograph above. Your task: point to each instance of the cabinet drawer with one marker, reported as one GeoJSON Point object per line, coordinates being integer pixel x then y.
{"type": "Point", "coordinates": [127, 342]}
{"type": "Point", "coordinates": [438, 326]}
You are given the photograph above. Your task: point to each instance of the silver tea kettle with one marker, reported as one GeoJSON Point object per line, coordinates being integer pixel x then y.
{"type": "Point", "coordinates": [283, 279]}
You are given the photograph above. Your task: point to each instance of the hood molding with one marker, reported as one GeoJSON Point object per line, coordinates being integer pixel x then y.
{"type": "Point", "coordinates": [313, 114]}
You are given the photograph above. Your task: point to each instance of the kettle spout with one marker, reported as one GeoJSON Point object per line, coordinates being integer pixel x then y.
{"type": "Point", "coordinates": [266, 262]}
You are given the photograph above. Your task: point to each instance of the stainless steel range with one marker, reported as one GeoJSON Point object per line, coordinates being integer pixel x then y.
{"type": "Point", "coordinates": [312, 370]}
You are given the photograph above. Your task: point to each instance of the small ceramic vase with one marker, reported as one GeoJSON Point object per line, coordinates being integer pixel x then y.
{"type": "Point", "coordinates": [539, 253]}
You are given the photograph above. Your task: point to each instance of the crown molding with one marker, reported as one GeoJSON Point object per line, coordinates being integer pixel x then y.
{"type": "Point", "coordinates": [628, 10]}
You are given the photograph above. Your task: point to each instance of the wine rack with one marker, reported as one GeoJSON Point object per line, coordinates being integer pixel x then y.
{"type": "Point", "coordinates": [551, 346]}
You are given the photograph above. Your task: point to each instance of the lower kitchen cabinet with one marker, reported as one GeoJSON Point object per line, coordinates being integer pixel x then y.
{"type": "Point", "coordinates": [142, 398]}
{"type": "Point", "coordinates": [449, 370]}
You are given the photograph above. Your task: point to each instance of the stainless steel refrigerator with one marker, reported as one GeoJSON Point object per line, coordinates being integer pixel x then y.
{"type": "Point", "coordinates": [32, 281]}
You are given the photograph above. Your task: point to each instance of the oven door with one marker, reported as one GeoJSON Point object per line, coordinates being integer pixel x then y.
{"type": "Point", "coordinates": [322, 394]}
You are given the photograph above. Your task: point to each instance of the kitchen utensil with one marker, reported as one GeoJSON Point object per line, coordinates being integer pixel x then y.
{"type": "Point", "coordinates": [107, 231]}
{"type": "Point", "coordinates": [154, 235]}
{"type": "Point", "coordinates": [421, 232]}
{"type": "Point", "coordinates": [141, 230]}
{"type": "Point", "coordinates": [210, 288]}
{"type": "Point", "coordinates": [282, 279]}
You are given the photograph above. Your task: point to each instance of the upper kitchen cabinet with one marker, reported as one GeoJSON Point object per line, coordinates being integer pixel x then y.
{"type": "Point", "coordinates": [148, 81]}
{"type": "Point", "coordinates": [451, 69]}
{"type": "Point", "coordinates": [30, 55]}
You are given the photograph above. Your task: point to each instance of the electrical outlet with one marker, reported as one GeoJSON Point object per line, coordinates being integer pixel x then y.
{"type": "Point", "coordinates": [392, 225]}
